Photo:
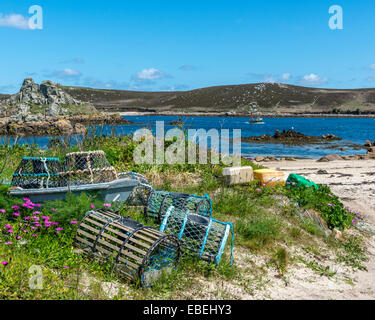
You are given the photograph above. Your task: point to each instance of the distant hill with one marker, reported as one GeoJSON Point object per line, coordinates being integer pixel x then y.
{"type": "Point", "coordinates": [266, 97]}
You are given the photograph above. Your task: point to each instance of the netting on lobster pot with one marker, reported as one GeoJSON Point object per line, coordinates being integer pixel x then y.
{"type": "Point", "coordinates": [205, 237]}
{"type": "Point", "coordinates": [141, 193]}
{"type": "Point", "coordinates": [37, 173]}
{"type": "Point", "coordinates": [87, 168]}
{"type": "Point", "coordinates": [160, 201]}
{"type": "Point", "coordinates": [140, 253]}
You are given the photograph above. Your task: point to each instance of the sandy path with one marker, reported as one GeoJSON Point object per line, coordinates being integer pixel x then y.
{"type": "Point", "coordinates": [354, 183]}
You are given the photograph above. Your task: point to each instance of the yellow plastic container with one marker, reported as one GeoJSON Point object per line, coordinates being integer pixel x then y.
{"type": "Point", "coordinates": [269, 177]}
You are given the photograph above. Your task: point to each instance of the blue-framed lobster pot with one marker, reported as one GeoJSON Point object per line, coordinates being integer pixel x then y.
{"type": "Point", "coordinates": [37, 173]}
{"type": "Point", "coordinates": [140, 253]}
{"type": "Point", "coordinates": [159, 202]}
{"type": "Point", "coordinates": [204, 236]}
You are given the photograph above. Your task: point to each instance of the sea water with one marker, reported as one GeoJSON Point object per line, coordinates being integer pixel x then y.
{"type": "Point", "coordinates": [353, 131]}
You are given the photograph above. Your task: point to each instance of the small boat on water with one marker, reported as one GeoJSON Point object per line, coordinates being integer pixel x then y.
{"type": "Point", "coordinates": [44, 179]}
{"type": "Point", "coordinates": [258, 120]}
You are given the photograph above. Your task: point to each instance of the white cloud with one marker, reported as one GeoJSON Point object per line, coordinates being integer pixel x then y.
{"type": "Point", "coordinates": [17, 21]}
{"type": "Point", "coordinates": [313, 79]}
{"type": "Point", "coordinates": [285, 77]}
{"type": "Point", "coordinates": [150, 74]}
{"type": "Point", "coordinates": [67, 73]}
{"type": "Point", "coordinates": [70, 72]}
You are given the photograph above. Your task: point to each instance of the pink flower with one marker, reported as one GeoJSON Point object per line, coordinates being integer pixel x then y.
{"type": "Point", "coordinates": [8, 243]}
{"type": "Point", "coordinates": [59, 229]}
{"type": "Point", "coordinates": [26, 199]}
{"type": "Point", "coordinates": [52, 209]}
{"type": "Point", "coordinates": [37, 205]}
{"type": "Point", "coordinates": [259, 190]}
{"type": "Point", "coordinates": [34, 228]}
{"type": "Point", "coordinates": [8, 226]}
{"type": "Point", "coordinates": [27, 218]}
{"type": "Point", "coordinates": [92, 206]}
{"type": "Point", "coordinates": [15, 207]}
{"type": "Point", "coordinates": [5, 263]}
{"type": "Point", "coordinates": [18, 238]}
{"type": "Point", "coordinates": [108, 205]}
{"type": "Point", "coordinates": [35, 235]}
{"type": "Point", "coordinates": [47, 225]}
{"type": "Point", "coordinates": [73, 222]}
{"type": "Point", "coordinates": [353, 221]}
{"type": "Point", "coordinates": [2, 211]}
{"type": "Point", "coordinates": [10, 231]}
{"type": "Point", "coordinates": [17, 214]}
{"type": "Point", "coordinates": [55, 223]}
{"type": "Point", "coordinates": [36, 212]}
{"type": "Point", "coordinates": [66, 267]}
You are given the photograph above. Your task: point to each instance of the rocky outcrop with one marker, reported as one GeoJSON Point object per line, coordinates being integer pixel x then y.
{"type": "Point", "coordinates": [46, 109]}
{"type": "Point", "coordinates": [290, 136]}
{"type": "Point", "coordinates": [46, 99]}
{"type": "Point", "coordinates": [60, 127]}
{"type": "Point", "coordinates": [333, 157]}
{"type": "Point", "coordinates": [330, 137]}
{"type": "Point", "coordinates": [330, 157]}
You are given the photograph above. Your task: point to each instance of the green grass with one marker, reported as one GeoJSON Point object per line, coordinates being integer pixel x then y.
{"type": "Point", "coordinates": [353, 254]}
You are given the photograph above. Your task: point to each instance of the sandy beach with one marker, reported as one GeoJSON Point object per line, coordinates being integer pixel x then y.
{"type": "Point", "coordinates": [354, 183]}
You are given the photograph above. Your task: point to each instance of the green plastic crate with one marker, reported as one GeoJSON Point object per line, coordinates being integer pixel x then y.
{"type": "Point", "coordinates": [295, 180]}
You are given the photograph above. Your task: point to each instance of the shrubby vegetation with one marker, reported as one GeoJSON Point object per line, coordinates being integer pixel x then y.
{"type": "Point", "coordinates": [42, 235]}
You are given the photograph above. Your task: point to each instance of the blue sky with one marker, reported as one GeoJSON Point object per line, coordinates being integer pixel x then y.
{"type": "Point", "coordinates": [164, 45]}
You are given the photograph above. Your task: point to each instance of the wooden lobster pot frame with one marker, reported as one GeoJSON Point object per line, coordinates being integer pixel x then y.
{"type": "Point", "coordinates": [160, 201]}
{"type": "Point", "coordinates": [140, 253]}
{"type": "Point", "coordinates": [87, 168]}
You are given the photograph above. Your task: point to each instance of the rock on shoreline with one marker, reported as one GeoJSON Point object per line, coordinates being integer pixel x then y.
{"type": "Point", "coordinates": [60, 125]}
{"type": "Point", "coordinates": [291, 136]}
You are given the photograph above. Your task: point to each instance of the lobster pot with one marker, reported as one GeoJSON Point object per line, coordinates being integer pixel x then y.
{"type": "Point", "coordinates": [87, 168]}
{"type": "Point", "coordinates": [140, 253]}
{"type": "Point", "coordinates": [141, 192]}
{"type": "Point", "coordinates": [160, 201]}
{"type": "Point", "coordinates": [205, 237]}
{"type": "Point", "coordinates": [35, 173]}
